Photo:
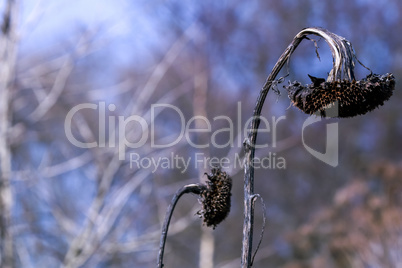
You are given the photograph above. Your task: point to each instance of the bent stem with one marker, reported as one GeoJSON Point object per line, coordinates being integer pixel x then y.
{"type": "Point", "coordinates": [343, 65]}
{"type": "Point", "coordinates": [190, 188]}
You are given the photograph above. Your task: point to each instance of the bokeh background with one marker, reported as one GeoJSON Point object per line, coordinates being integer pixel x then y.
{"type": "Point", "coordinates": [64, 206]}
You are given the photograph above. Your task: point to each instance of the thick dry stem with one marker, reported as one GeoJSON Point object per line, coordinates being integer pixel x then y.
{"type": "Point", "coordinates": [342, 53]}
{"type": "Point", "coordinates": [191, 188]}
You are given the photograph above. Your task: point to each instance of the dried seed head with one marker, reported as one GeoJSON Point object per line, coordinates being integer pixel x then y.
{"type": "Point", "coordinates": [216, 198]}
{"type": "Point", "coordinates": [352, 97]}
{"type": "Point", "coordinates": [340, 90]}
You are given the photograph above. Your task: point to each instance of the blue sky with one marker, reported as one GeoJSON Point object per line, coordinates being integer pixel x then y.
{"type": "Point", "coordinates": [130, 31]}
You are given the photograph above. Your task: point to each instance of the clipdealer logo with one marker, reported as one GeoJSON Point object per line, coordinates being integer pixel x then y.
{"type": "Point", "coordinates": [331, 154]}
{"type": "Point", "coordinates": [117, 133]}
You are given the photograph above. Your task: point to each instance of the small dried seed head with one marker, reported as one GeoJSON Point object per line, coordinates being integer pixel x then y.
{"type": "Point", "coordinates": [353, 97]}
{"type": "Point", "coordinates": [216, 198]}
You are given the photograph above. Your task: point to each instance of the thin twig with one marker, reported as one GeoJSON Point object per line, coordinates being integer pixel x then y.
{"type": "Point", "coordinates": [264, 222]}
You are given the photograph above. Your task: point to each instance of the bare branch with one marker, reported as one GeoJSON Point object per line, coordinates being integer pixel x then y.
{"type": "Point", "coordinates": [58, 86]}
{"type": "Point", "coordinates": [71, 164]}
{"type": "Point", "coordinates": [7, 68]}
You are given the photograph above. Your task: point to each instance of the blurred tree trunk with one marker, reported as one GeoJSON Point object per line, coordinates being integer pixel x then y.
{"type": "Point", "coordinates": [7, 59]}
{"type": "Point", "coordinates": [207, 241]}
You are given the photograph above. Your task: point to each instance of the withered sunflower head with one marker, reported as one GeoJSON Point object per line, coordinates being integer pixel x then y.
{"type": "Point", "coordinates": [215, 198]}
{"type": "Point", "coordinates": [341, 91]}
{"type": "Point", "coordinates": [348, 98]}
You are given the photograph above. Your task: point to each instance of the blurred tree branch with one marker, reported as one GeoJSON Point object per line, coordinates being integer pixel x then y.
{"type": "Point", "coordinates": [8, 52]}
